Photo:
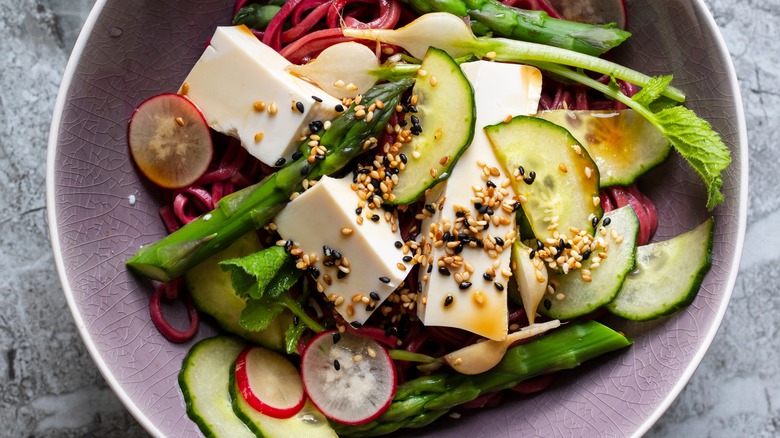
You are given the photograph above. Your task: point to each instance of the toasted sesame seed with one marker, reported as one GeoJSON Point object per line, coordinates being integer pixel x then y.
{"type": "Point", "coordinates": [490, 55]}
{"type": "Point", "coordinates": [339, 84]}
{"type": "Point", "coordinates": [433, 81]}
{"type": "Point", "coordinates": [562, 167]}
{"type": "Point", "coordinates": [273, 108]}
{"type": "Point", "coordinates": [185, 88]}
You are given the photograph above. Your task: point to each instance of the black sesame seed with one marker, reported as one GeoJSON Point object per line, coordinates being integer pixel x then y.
{"type": "Point", "coordinates": [430, 208]}
{"type": "Point", "coordinates": [398, 244]}
{"type": "Point", "coordinates": [499, 241]}
{"type": "Point", "coordinates": [460, 214]}
{"type": "Point", "coordinates": [336, 364]}
{"type": "Point", "coordinates": [561, 243]}
{"type": "Point", "coordinates": [384, 280]}
{"type": "Point", "coordinates": [328, 251]}
{"type": "Point", "coordinates": [403, 123]}
{"type": "Point", "coordinates": [464, 285]}
{"type": "Point", "coordinates": [595, 221]}
{"type": "Point", "coordinates": [430, 269]}
{"type": "Point", "coordinates": [337, 254]}
{"type": "Point", "coordinates": [528, 180]}
{"type": "Point", "coordinates": [341, 274]}
{"type": "Point", "coordinates": [419, 287]}
{"type": "Point", "coordinates": [403, 158]}
{"type": "Point", "coordinates": [447, 237]}
{"type": "Point", "coordinates": [316, 126]}
{"type": "Point", "coordinates": [606, 221]}
{"type": "Point", "coordinates": [288, 245]}
{"type": "Point", "coordinates": [448, 301]}
{"type": "Point", "coordinates": [532, 254]}
{"type": "Point", "coordinates": [319, 157]}
{"type": "Point", "coordinates": [329, 262]}
{"type": "Point", "coordinates": [296, 320]}
{"type": "Point", "coordinates": [407, 259]}
{"type": "Point", "coordinates": [339, 108]}
{"type": "Point", "coordinates": [547, 303]}
{"type": "Point", "coordinates": [318, 99]}
{"type": "Point", "coordinates": [375, 218]}
{"type": "Point", "coordinates": [391, 331]}
{"type": "Point", "coordinates": [296, 155]}
{"type": "Point", "coordinates": [412, 108]}
{"type": "Point", "coordinates": [305, 170]}
{"type": "Point", "coordinates": [567, 246]}
{"type": "Point", "coordinates": [443, 270]}
{"type": "Point", "coordinates": [478, 205]}
{"type": "Point", "coordinates": [359, 211]}
{"type": "Point", "coordinates": [374, 296]}
{"type": "Point", "coordinates": [458, 249]}
{"type": "Point", "coordinates": [315, 273]}
{"type": "Point", "coordinates": [516, 206]}
{"type": "Point", "coordinates": [521, 170]}
{"type": "Point", "coordinates": [483, 209]}
{"type": "Point", "coordinates": [499, 286]}
{"type": "Point", "coordinates": [370, 308]}
{"type": "Point", "coordinates": [586, 255]}
{"type": "Point", "coordinates": [336, 337]}
{"type": "Point", "coordinates": [415, 120]}
{"type": "Point", "coordinates": [490, 184]}
{"type": "Point", "coordinates": [356, 324]}
{"type": "Point", "coordinates": [416, 129]}
{"type": "Point", "coordinates": [299, 107]}
{"type": "Point", "coordinates": [487, 276]}
{"type": "Point", "coordinates": [280, 162]}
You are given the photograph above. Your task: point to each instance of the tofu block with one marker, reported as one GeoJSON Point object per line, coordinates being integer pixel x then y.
{"type": "Point", "coordinates": [466, 287]}
{"type": "Point", "coordinates": [322, 222]}
{"type": "Point", "coordinates": [243, 90]}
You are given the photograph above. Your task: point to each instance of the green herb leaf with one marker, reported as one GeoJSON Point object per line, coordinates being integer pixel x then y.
{"type": "Point", "coordinates": [292, 336]}
{"type": "Point", "coordinates": [699, 144]}
{"type": "Point", "coordinates": [652, 91]}
{"type": "Point", "coordinates": [265, 273]}
{"type": "Point", "coordinates": [258, 313]}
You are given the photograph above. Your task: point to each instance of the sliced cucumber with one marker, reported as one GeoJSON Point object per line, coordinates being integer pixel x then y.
{"type": "Point", "coordinates": [447, 115]}
{"type": "Point", "coordinates": [623, 144]}
{"type": "Point", "coordinates": [667, 276]}
{"type": "Point", "coordinates": [563, 189]}
{"type": "Point", "coordinates": [213, 294]}
{"type": "Point", "coordinates": [581, 297]}
{"type": "Point", "coordinates": [308, 422]}
{"type": "Point", "coordinates": [204, 379]}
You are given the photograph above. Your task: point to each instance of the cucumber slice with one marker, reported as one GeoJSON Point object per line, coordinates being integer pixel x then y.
{"type": "Point", "coordinates": [563, 189]}
{"type": "Point", "coordinates": [581, 297]}
{"type": "Point", "coordinates": [213, 294]}
{"type": "Point", "coordinates": [447, 115]}
{"type": "Point", "coordinates": [623, 144]}
{"type": "Point", "coordinates": [308, 422]}
{"type": "Point", "coordinates": [667, 277]}
{"type": "Point", "coordinates": [204, 378]}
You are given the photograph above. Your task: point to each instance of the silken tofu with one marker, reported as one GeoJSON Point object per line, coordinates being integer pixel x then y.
{"type": "Point", "coordinates": [468, 239]}
{"type": "Point", "coordinates": [243, 90]}
{"type": "Point", "coordinates": [357, 265]}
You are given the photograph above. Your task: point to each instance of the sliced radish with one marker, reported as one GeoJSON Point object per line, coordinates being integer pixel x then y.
{"type": "Point", "coordinates": [593, 11]}
{"type": "Point", "coordinates": [170, 140]}
{"type": "Point", "coordinates": [269, 382]}
{"type": "Point", "coordinates": [349, 377]}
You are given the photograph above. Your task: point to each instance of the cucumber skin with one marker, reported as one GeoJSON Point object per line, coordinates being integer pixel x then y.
{"type": "Point", "coordinates": [688, 297]}
{"type": "Point", "coordinates": [189, 400]}
{"type": "Point", "coordinates": [444, 172]}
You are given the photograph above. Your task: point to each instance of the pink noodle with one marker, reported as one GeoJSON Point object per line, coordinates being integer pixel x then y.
{"type": "Point", "coordinates": [623, 198]}
{"type": "Point", "coordinates": [163, 326]}
{"type": "Point", "coordinates": [652, 212]}
{"type": "Point", "coordinates": [302, 27]}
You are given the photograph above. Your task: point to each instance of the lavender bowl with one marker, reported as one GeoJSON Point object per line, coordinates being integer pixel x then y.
{"type": "Point", "coordinates": [100, 212]}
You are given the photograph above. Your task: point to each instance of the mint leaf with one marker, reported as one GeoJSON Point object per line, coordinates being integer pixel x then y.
{"type": "Point", "coordinates": [270, 271]}
{"type": "Point", "coordinates": [652, 91]}
{"type": "Point", "coordinates": [292, 336]}
{"type": "Point", "coordinates": [702, 147]}
{"type": "Point", "coordinates": [258, 313]}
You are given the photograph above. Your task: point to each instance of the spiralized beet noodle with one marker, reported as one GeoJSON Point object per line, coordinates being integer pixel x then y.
{"type": "Point", "coordinates": [299, 31]}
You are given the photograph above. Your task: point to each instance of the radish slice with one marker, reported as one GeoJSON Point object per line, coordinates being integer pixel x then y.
{"type": "Point", "coordinates": [170, 140]}
{"type": "Point", "coordinates": [593, 11]}
{"type": "Point", "coordinates": [269, 382]}
{"type": "Point", "coordinates": [350, 378]}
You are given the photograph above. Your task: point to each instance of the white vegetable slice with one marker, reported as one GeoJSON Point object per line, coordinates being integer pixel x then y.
{"type": "Point", "coordinates": [269, 382]}
{"type": "Point", "coordinates": [350, 378]}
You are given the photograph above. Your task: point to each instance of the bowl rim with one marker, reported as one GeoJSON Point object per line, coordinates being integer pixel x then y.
{"type": "Point", "coordinates": [149, 426]}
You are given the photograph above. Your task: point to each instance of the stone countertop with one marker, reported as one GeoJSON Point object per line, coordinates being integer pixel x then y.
{"type": "Point", "coordinates": [49, 385]}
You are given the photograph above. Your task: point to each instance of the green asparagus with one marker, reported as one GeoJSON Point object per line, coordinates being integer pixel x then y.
{"type": "Point", "coordinates": [531, 26]}
{"type": "Point", "coordinates": [255, 206]}
{"type": "Point", "coordinates": [422, 400]}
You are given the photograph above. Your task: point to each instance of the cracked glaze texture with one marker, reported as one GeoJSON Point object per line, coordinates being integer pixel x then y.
{"type": "Point", "coordinates": [139, 48]}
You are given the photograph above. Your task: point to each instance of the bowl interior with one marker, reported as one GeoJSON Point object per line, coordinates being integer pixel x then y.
{"type": "Point", "coordinates": [101, 212]}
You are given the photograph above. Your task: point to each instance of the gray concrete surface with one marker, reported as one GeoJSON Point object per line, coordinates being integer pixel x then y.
{"type": "Point", "coordinates": [49, 386]}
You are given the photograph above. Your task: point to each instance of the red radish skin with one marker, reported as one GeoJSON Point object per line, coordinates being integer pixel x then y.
{"type": "Point", "coordinates": [336, 392]}
{"type": "Point", "coordinates": [170, 141]}
{"type": "Point", "coordinates": [294, 397]}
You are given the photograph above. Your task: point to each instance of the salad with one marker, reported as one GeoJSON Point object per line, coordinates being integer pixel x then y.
{"type": "Point", "coordinates": [398, 211]}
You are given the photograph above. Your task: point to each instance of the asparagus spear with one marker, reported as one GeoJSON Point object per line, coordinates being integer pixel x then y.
{"type": "Point", "coordinates": [420, 401]}
{"type": "Point", "coordinates": [531, 26]}
{"type": "Point", "coordinates": [255, 206]}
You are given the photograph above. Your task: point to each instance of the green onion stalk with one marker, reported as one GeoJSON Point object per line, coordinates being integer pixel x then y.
{"type": "Point", "coordinates": [255, 206]}
{"type": "Point", "coordinates": [421, 401]}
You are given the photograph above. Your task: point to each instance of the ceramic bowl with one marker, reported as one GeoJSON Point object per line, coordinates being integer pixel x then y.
{"type": "Point", "coordinates": [101, 211]}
